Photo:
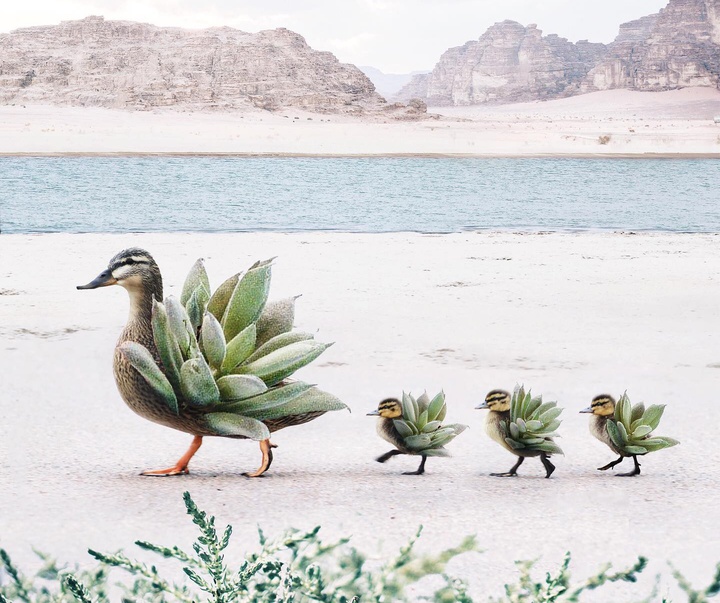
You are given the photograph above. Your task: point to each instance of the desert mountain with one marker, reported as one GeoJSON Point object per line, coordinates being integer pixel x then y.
{"type": "Point", "coordinates": [675, 48]}
{"type": "Point", "coordinates": [120, 64]}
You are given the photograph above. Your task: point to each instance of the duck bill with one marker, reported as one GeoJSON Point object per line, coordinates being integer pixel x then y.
{"type": "Point", "coordinates": [482, 406]}
{"type": "Point", "coordinates": [587, 410]}
{"type": "Point", "coordinates": [104, 279]}
{"type": "Point", "coordinates": [374, 413]}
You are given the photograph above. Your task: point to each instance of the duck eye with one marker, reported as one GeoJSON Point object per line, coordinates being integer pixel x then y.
{"type": "Point", "coordinates": [129, 261]}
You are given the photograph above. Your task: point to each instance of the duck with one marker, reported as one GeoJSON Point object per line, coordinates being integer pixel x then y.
{"type": "Point", "coordinates": [627, 429]}
{"type": "Point", "coordinates": [414, 426]}
{"type": "Point", "coordinates": [499, 402]}
{"type": "Point", "coordinates": [387, 411]}
{"type": "Point", "coordinates": [136, 271]}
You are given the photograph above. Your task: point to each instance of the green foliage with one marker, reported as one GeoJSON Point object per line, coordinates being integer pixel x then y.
{"type": "Point", "coordinates": [631, 427]}
{"type": "Point", "coordinates": [221, 353]}
{"type": "Point", "coordinates": [698, 596]}
{"type": "Point", "coordinates": [421, 425]}
{"type": "Point", "coordinates": [533, 423]}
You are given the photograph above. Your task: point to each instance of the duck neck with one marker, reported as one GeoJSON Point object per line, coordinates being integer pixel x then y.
{"type": "Point", "coordinates": [141, 300]}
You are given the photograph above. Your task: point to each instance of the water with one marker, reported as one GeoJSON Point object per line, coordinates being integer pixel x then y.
{"type": "Point", "coordinates": [146, 194]}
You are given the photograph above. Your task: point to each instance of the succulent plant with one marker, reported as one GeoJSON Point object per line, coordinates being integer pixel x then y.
{"type": "Point", "coordinates": [421, 425]}
{"type": "Point", "coordinates": [229, 354]}
{"type": "Point", "coordinates": [631, 427]}
{"type": "Point", "coordinates": [532, 424]}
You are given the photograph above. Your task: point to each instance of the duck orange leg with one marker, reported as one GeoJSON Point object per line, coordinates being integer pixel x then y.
{"type": "Point", "coordinates": [181, 467]}
{"type": "Point", "coordinates": [266, 447]}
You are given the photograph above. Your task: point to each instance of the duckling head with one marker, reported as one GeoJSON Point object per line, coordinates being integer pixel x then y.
{"type": "Point", "coordinates": [603, 405]}
{"type": "Point", "coordinates": [497, 400]}
{"type": "Point", "coordinates": [134, 269]}
{"type": "Point", "coordinates": [390, 408]}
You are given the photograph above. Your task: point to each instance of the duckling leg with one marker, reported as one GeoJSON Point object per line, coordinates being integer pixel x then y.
{"type": "Point", "coordinates": [420, 469]}
{"type": "Point", "coordinates": [266, 447]}
{"type": "Point", "coordinates": [549, 467]}
{"type": "Point", "coordinates": [387, 456]}
{"type": "Point", "coordinates": [611, 465]}
{"type": "Point", "coordinates": [635, 471]}
{"type": "Point", "coordinates": [513, 470]}
{"type": "Point", "coordinates": [181, 467]}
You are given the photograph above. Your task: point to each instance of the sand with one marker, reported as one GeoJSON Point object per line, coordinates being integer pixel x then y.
{"type": "Point", "coordinates": [570, 315]}
{"type": "Point", "coordinates": [614, 123]}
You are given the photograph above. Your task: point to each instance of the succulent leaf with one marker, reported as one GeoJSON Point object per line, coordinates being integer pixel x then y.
{"type": "Point", "coordinates": [514, 444]}
{"type": "Point", "coordinates": [408, 408]}
{"type": "Point", "coordinates": [534, 425]}
{"type": "Point", "coordinates": [282, 363]}
{"type": "Point", "coordinates": [166, 344]}
{"type": "Point", "coordinates": [178, 321]}
{"type": "Point", "coordinates": [403, 428]}
{"type": "Point", "coordinates": [551, 414]}
{"type": "Point", "coordinates": [276, 318]}
{"type": "Point", "coordinates": [545, 406]}
{"type": "Point", "coordinates": [637, 412]}
{"type": "Point", "coordinates": [196, 305]}
{"type": "Point", "coordinates": [212, 341]}
{"type": "Point", "coordinates": [423, 402]}
{"type": "Point", "coordinates": [273, 397]}
{"type": "Point", "coordinates": [431, 426]}
{"type": "Point", "coordinates": [422, 420]}
{"type": "Point", "coordinates": [197, 384]}
{"type": "Point", "coordinates": [278, 342]}
{"type": "Point", "coordinates": [219, 300]}
{"type": "Point", "coordinates": [436, 452]}
{"type": "Point", "coordinates": [248, 300]}
{"type": "Point", "coordinates": [521, 425]}
{"type": "Point", "coordinates": [614, 434]}
{"type": "Point", "coordinates": [622, 432]}
{"type": "Point", "coordinates": [195, 278]}
{"type": "Point", "coordinates": [229, 424]}
{"type": "Point", "coordinates": [635, 449]}
{"type": "Point", "coordinates": [653, 414]}
{"type": "Point", "coordinates": [435, 406]}
{"type": "Point", "coordinates": [420, 441]}
{"type": "Point", "coordinates": [641, 431]}
{"type": "Point", "coordinates": [239, 349]}
{"type": "Point", "coordinates": [240, 387]}
{"type": "Point", "coordinates": [143, 362]}
{"type": "Point", "coordinates": [514, 431]}
{"type": "Point", "coordinates": [310, 401]}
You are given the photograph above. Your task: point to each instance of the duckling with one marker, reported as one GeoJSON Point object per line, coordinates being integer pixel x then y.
{"type": "Point", "coordinates": [500, 422]}
{"type": "Point", "coordinates": [414, 426]}
{"type": "Point", "coordinates": [626, 429]}
{"type": "Point", "coordinates": [136, 271]}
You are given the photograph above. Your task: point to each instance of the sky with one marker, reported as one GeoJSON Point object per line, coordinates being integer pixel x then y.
{"type": "Point", "coordinates": [395, 36]}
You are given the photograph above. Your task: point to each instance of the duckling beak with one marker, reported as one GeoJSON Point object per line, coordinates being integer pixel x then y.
{"type": "Point", "coordinates": [104, 279]}
{"type": "Point", "coordinates": [374, 413]}
{"type": "Point", "coordinates": [482, 406]}
{"type": "Point", "coordinates": [587, 410]}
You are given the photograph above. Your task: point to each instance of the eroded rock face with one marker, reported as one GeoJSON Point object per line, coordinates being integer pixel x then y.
{"type": "Point", "coordinates": [118, 64]}
{"type": "Point", "coordinates": [509, 63]}
{"type": "Point", "coordinates": [675, 48]}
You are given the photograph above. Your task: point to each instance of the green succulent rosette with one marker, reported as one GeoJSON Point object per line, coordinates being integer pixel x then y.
{"type": "Point", "coordinates": [631, 427]}
{"type": "Point", "coordinates": [229, 354]}
{"type": "Point", "coordinates": [421, 425]}
{"type": "Point", "coordinates": [533, 423]}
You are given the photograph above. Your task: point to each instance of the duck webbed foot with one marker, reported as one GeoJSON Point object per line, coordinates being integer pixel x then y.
{"type": "Point", "coordinates": [549, 467]}
{"type": "Point", "coordinates": [513, 469]}
{"type": "Point", "coordinates": [181, 467]}
{"type": "Point", "coordinates": [635, 471]}
{"type": "Point", "coordinates": [420, 470]}
{"type": "Point", "coordinates": [611, 464]}
{"type": "Point", "coordinates": [266, 447]}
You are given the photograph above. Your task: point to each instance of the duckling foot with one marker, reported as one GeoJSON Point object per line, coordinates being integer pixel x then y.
{"type": "Point", "coordinates": [549, 467]}
{"type": "Point", "coordinates": [420, 469]}
{"type": "Point", "coordinates": [634, 472]}
{"type": "Point", "coordinates": [387, 456]}
{"type": "Point", "coordinates": [610, 465]}
{"type": "Point", "coordinates": [513, 469]}
{"type": "Point", "coordinates": [181, 467]}
{"type": "Point", "coordinates": [266, 447]}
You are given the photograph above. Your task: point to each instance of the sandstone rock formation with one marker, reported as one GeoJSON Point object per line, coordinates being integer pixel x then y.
{"type": "Point", "coordinates": [119, 64]}
{"type": "Point", "coordinates": [675, 48]}
{"type": "Point", "coordinates": [509, 63]}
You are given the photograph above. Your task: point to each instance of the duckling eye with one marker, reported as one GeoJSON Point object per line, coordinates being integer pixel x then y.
{"type": "Point", "coordinates": [129, 262]}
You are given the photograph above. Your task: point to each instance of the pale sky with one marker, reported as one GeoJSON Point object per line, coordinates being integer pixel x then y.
{"type": "Point", "coordinates": [396, 36]}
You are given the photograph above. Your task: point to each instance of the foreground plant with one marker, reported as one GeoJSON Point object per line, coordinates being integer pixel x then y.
{"type": "Point", "coordinates": [523, 425]}
{"type": "Point", "coordinates": [212, 364]}
{"type": "Point", "coordinates": [627, 429]}
{"type": "Point", "coordinates": [415, 427]}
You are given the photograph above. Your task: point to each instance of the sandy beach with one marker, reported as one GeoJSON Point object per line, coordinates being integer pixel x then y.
{"type": "Point", "coordinates": [570, 315]}
{"type": "Point", "coordinates": [610, 123]}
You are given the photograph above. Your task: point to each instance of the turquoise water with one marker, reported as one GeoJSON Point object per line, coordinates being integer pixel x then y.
{"type": "Point", "coordinates": [121, 194]}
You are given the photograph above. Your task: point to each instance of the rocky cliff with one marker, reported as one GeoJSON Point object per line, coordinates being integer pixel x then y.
{"type": "Point", "coordinates": [118, 64]}
{"type": "Point", "coordinates": [675, 48]}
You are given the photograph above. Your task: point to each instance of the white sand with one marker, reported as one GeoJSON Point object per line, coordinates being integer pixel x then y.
{"type": "Point", "coordinates": [570, 315]}
{"type": "Point", "coordinates": [631, 123]}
